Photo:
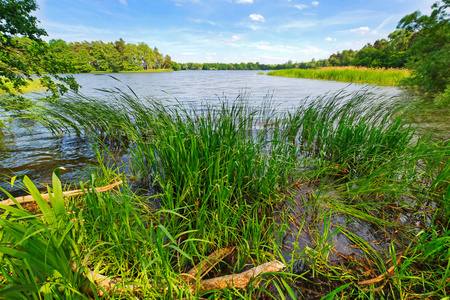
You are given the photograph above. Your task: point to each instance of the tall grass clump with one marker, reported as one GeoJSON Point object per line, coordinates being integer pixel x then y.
{"type": "Point", "coordinates": [348, 74]}
{"type": "Point", "coordinates": [234, 173]}
{"type": "Point", "coordinates": [219, 164]}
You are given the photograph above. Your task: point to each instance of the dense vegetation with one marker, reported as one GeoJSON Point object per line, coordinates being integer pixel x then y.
{"type": "Point", "coordinates": [421, 44]}
{"type": "Point", "coordinates": [348, 74]}
{"type": "Point", "coordinates": [110, 57]}
{"type": "Point", "coordinates": [339, 189]}
{"type": "Point", "coordinates": [21, 58]}
{"type": "Point", "coordinates": [23, 54]}
{"type": "Point", "coordinates": [224, 66]}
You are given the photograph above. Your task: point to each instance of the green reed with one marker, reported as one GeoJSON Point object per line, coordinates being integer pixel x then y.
{"type": "Point", "coordinates": [222, 174]}
{"type": "Point", "coordinates": [348, 74]}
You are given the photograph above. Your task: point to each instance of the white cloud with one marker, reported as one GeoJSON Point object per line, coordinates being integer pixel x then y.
{"type": "Point", "coordinates": [200, 21]}
{"type": "Point", "coordinates": [244, 1]}
{"type": "Point", "coordinates": [297, 25]}
{"type": "Point", "coordinates": [124, 2]}
{"type": "Point", "coordinates": [301, 6]}
{"type": "Point", "coordinates": [363, 31]}
{"type": "Point", "coordinates": [256, 17]}
{"type": "Point", "coordinates": [315, 3]}
{"type": "Point", "coordinates": [233, 39]}
{"type": "Point", "coordinates": [329, 39]}
{"type": "Point", "coordinates": [310, 50]}
{"type": "Point", "coordinates": [280, 48]}
{"type": "Point", "coordinates": [254, 27]}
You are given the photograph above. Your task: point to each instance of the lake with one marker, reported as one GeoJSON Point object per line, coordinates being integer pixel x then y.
{"type": "Point", "coordinates": [31, 150]}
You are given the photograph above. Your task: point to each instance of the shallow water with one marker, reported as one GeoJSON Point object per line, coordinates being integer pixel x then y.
{"type": "Point", "coordinates": [31, 150]}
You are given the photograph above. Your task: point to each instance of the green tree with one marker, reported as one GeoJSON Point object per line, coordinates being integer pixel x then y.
{"type": "Point", "coordinates": [175, 66]}
{"type": "Point", "coordinates": [159, 60]}
{"type": "Point", "coordinates": [133, 60]}
{"type": "Point", "coordinates": [429, 50]}
{"type": "Point", "coordinates": [23, 54]}
{"type": "Point", "coordinates": [120, 46]}
{"type": "Point", "coordinates": [146, 56]}
{"type": "Point", "coordinates": [167, 62]}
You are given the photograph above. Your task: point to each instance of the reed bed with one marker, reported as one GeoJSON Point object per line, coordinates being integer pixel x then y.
{"type": "Point", "coordinates": [379, 76]}
{"type": "Point", "coordinates": [340, 189]}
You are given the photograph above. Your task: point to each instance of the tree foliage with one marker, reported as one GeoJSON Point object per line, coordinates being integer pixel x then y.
{"type": "Point", "coordinates": [421, 43]}
{"type": "Point", "coordinates": [23, 54]}
{"type": "Point", "coordinates": [429, 48]}
{"type": "Point", "coordinates": [109, 57]}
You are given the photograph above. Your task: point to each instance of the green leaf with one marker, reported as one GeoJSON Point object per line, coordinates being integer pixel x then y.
{"type": "Point", "coordinates": [332, 295]}
{"type": "Point", "coordinates": [288, 288]}
{"type": "Point", "coordinates": [58, 198]}
{"type": "Point", "coordinates": [280, 291]}
{"type": "Point", "coordinates": [49, 215]}
{"type": "Point", "coordinates": [181, 251]}
{"type": "Point", "coordinates": [13, 252]}
{"type": "Point", "coordinates": [163, 229]}
{"type": "Point", "coordinates": [11, 291]}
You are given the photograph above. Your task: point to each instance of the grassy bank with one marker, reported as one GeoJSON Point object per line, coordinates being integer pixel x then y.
{"type": "Point", "coordinates": [348, 74]}
{"type": "Point", "coordinates": [340, 190]}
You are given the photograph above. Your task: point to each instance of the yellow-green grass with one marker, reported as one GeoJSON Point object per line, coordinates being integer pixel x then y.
{"type": "Point", "coordinates": [348, 74]}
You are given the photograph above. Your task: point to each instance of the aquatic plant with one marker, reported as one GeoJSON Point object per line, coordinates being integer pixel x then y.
{"type": "Point", "coordinates": [340, 189]}
{"type": "Point", "coordinates": [379, 76]}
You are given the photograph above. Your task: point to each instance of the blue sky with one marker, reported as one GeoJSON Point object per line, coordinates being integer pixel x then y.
{"type": "Point", "coordinates": [268, 31]}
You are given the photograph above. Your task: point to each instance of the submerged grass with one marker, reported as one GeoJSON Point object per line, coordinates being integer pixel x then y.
{"type": "Point", "coordinates": [341, 189]}
{"type": "Point", "coordinates": [348, 74]}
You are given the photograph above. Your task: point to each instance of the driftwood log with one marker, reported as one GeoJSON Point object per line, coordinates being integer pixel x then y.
{"type": "Point", "coordinates": [241, 280]}
{"type": "Point", "coordinates": [29, 198]}
{"type": "Point", "coordinates": [202, 268]}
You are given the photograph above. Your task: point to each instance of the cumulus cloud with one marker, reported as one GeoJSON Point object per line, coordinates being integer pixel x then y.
{"type": "Point", "coordinates": [315, 3]}
{"type": "Point", "coordinates": [363, 30]}
{"type": "Point", "coordinates": [244, 1]}
{"type": "Point", "coordinates": [124, 2]}
{"type": "Point", "coordinates": [256, 17]}
{"type": "Point", "coordinates": [301, 6]}
{"type": "Point", "coordinates": [329, 39]}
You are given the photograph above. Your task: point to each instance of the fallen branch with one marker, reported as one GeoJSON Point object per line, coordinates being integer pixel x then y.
{"type": "Point", "coordinates": [105, 284]}
{"type": "Point", "coordinates": [241, 280]}
{"type": "Point", "coordinates": [382, 276]}
{"type": "Point", "coordinates": [29, 198]}
{"type": "Point", "coordinates": [206, 265]}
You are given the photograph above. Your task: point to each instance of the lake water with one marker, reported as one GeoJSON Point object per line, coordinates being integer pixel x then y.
{"type": "Point", "coordinates": [35, 152]}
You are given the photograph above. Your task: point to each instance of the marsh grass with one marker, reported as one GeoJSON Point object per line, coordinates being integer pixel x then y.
{"type": "Point", "coordinates": [341, 169]}
{"type": "Point", "coordinates": [348, 74]}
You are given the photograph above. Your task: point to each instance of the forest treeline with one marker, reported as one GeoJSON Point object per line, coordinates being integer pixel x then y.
{"type": "Point", "coordinates": [384, 53]}
{"type": "Point", "coordinates": [227, 66]}
{"type": "Point", "coordinates": [115, 56]}
{"type": "Point", "coordinates": [110, 57]}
